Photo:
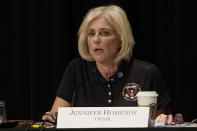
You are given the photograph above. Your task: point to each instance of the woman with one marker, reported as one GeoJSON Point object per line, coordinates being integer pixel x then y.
{"type": "Point", "coordinates": [107, 74]}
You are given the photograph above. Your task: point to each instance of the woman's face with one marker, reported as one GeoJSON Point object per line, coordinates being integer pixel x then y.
{"type": "Point", "coordinates": [102, 39]}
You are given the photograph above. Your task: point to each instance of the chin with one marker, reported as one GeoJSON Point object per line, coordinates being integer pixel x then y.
{"type": "Point", "coordinates": [100, 60]}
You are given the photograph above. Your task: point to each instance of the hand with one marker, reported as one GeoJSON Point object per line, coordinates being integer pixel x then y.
{"type": "Point", "coordinates": [50, 117]}
{"type": "Point", "coordinates": [164, 119]}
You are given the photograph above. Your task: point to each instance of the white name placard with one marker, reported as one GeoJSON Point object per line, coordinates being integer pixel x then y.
{"type": "Point", "coordinates": [102, 117]}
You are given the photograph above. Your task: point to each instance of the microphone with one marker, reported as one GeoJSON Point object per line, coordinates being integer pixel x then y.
{"type": "Point", "coordinates": [73, 98]}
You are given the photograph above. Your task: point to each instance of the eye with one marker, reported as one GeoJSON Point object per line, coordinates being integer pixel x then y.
{"type": "Point", "coordinates": [91, 33]}
{"type": "Point", "coordinates": [104, 33]}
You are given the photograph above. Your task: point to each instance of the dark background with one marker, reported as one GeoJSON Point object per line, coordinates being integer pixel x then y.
{"type": "Point", "coordinates": [39, 38]}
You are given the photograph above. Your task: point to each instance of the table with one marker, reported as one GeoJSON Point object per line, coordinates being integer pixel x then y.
{"type": "Point", "coordinates": [23, 124]}
{"type": "Point", "coordinates": [107, 129]}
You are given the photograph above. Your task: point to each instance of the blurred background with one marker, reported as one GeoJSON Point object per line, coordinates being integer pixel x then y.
{"type": "Point", "coordinates": [39, 38]}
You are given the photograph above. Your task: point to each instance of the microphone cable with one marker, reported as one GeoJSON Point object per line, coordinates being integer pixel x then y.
{"type": "Point", "coordinates": [28, 128]}
{"type": "Point", "coordinates": [42, 127]}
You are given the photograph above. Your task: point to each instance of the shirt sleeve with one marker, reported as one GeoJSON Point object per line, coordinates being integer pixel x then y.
{"type": "Point", "coordinates": [66, 87]}
{"type": "Point", "coordinates": [157, 83]}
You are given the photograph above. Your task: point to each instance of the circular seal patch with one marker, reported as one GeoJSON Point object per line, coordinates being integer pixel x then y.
{"type": "Point", "coordinates": [130, 90]}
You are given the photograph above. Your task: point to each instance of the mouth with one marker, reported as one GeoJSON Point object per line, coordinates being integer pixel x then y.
{"type": "Point", "coordinates": [98, 50]}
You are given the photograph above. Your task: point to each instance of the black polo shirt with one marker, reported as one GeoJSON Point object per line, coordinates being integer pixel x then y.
{"type": "Point", "coordinates": [84, 86]}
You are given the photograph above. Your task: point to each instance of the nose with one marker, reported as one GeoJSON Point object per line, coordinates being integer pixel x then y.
{"type": "Point", "coordinates": [97, 38]}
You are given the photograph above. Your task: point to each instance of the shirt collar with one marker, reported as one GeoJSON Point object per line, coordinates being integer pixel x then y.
{"type": "Point", "coordinates": [96, 76]}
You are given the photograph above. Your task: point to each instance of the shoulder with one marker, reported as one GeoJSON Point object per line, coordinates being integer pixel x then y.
{"type": "Point", "coordinates": [144, 66]}
{"type": "Point", "coordinates": [78, 65]}
{"type": "Point", "coordinates": [77, 62]}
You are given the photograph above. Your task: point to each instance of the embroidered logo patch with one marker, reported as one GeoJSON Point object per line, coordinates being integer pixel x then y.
{"type": "Point", "coordinates": [130, 90]}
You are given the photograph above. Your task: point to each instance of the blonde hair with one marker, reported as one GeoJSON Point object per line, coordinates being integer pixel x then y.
{"type": "Point", "coordinates": [115, 16]}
